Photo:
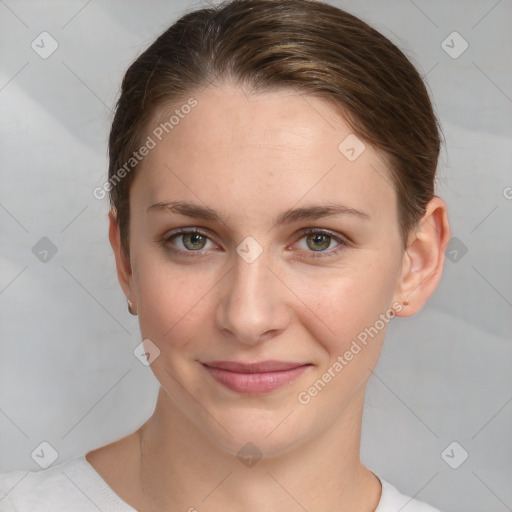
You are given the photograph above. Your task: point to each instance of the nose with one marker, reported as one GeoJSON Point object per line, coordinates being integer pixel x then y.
{"type": "Point", "coordinates": [252, 307]}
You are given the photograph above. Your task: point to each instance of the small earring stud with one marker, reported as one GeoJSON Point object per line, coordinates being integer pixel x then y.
{"type": "Point", "coordinates": [405, 303]}
{"type": "Point", "coordinates": [130, 308]}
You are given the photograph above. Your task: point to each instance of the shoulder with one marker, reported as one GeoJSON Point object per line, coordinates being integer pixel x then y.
{"type": "Point", "coordinates": [47, 490]}
{"type": "Point", "coordinates": [54, 489]}
{"type": "Point", "coordinates": [393, 500]}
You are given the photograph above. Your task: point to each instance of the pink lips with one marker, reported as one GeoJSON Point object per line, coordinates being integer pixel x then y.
{"type": "Point", "coordinates": [254, 378]}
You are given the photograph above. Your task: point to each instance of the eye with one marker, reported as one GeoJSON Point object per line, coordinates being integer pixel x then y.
{"type": "Point", "coordinates": [187, 240]}
{"type": "Point", "coordinates": [315, 242]}
{"type": "Point", "coordinates": [318, 240]}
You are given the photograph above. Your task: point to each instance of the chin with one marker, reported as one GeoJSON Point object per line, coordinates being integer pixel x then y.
{"type": "Point", "coordinates": [256, 433]}
{"type": "Point", "coordinates": [255, 444]}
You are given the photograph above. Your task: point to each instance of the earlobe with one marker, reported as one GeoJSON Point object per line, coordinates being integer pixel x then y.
{"type": "Point", "coordinates": [123, 266]}
{"type": "Point", "coordinates": [424, 258]}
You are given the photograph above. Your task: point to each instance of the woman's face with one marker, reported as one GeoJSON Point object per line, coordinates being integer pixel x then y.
{"type": "Point", "coordinates": [254, 175]}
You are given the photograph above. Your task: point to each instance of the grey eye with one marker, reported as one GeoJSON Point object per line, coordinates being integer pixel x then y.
{"type": "Point", "coordinates": [193, 241]}
{"type": "Point", "coordinates": [318, 241]}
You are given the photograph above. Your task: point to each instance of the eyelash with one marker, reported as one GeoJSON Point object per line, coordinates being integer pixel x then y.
{"type": "Point", "coordinates": [311, 231]}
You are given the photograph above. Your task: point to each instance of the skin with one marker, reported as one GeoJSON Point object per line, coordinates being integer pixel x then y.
{"type": "Point", "coordinates": [250, 157]}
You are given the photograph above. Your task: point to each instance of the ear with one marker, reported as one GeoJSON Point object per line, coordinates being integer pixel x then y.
{"type": "Point", "coordinates": [423, 259]}
{"type": "Point", "coordinates": [124, 271]}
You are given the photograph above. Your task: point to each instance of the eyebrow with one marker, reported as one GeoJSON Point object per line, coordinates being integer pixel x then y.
{"type": "Point", "coordinates": [287, 217]}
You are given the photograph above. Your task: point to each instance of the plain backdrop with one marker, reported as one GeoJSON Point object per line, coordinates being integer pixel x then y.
{"type": "Point", "coordinates": [68, 375]}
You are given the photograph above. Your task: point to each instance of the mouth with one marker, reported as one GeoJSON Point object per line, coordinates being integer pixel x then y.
{"type": "Point", "coordinates": [254, 378]}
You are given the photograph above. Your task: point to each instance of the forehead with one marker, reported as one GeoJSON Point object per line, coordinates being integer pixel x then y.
{"type": "Point", "coordinates": [262, 150]}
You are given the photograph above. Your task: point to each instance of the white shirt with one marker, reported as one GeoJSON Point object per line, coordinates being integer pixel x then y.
{"type": "Point", "coordinates": [75, 486]}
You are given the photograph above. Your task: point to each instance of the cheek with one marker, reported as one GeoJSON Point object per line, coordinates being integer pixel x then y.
{"type": "Point", "coordinates": [351, 317]}
{"type": "Point", "coordinates": [348, 304]}
{"type": "Point", "coordinates": [171, 299]}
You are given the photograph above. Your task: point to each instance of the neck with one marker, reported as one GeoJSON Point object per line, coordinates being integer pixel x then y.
{"type": "Point", "coordinates": [180, 469]}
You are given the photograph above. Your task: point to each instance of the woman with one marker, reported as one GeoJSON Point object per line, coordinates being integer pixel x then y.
{"type": "Point", "coordinates": [271, 178]}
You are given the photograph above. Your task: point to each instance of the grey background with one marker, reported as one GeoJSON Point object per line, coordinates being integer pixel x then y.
{"type": "Point", "coordinates": [67, 372]}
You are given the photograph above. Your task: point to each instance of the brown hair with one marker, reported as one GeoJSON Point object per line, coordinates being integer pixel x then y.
{"type": "Point", "coordinates": [312, 47]}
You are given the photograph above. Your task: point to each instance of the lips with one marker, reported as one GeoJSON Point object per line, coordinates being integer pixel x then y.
{"type": "Point", "coordinates": [254, 378]}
